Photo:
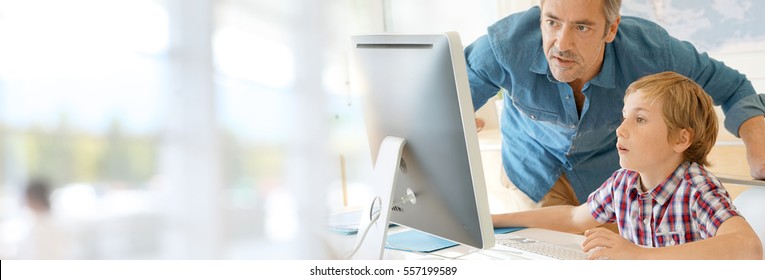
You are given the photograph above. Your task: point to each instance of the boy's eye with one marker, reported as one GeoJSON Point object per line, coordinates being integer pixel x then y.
{"type": "Point", "coordinates": [640, 120]}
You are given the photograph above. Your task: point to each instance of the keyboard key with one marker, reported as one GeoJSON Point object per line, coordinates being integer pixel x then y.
{"type": "Point", "coordinates": [540, 247]}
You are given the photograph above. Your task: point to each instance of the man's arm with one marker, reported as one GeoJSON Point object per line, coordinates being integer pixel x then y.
{"type": "Point", "coordinates": [743, 107]}
{"type": "Point", "coordinates": [752, 131]}
{"type": "Point", "coordinates": [734, 239]}
{"type": "Point", "coordinates": [567, 218]}
{"type": "Point", "coordinates": [484, 72]}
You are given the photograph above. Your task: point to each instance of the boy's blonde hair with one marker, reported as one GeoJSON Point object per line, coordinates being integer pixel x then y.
{"type": "Point", "coordinates": [685, 105]}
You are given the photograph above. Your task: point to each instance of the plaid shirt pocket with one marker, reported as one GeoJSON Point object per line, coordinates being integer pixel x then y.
{"type": "Point", "coordinates": [666, 237]}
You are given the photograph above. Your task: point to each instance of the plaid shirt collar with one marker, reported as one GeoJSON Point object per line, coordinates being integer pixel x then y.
{"type": "Point", "coordinates": [664, 191]}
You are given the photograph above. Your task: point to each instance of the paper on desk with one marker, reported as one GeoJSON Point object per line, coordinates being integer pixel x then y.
{"type": "Point", "coordinates": [506, 230]}
{"type": "Point", "coordinates": [345, 222]}
{"type": "Point", "coordinates": [416, 241]}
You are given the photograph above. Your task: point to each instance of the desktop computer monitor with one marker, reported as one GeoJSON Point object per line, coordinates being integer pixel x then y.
{"type": "Point", "coordinates": [422, 135]}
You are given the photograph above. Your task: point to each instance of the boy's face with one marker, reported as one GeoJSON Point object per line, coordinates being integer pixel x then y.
{"type": "Point", "coordinates": [642, 137]}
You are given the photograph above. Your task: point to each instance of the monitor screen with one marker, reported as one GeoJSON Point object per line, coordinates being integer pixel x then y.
{"type": "Point", "coordinates": [415, 87]}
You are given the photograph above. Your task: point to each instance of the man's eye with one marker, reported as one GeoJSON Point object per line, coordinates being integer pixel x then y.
{"type": "Point", "coordinates": [582, 28]}
{"type": "Point", "coordinates": [640, 120]}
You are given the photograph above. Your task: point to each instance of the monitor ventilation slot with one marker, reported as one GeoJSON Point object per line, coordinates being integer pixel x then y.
{"type": "Point", "coordinates": [394, 46]}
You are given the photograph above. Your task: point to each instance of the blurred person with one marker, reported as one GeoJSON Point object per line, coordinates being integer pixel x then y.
{"type": "Point", "coordinates": [46, 238]}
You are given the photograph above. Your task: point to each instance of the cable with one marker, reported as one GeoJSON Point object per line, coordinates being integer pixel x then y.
{"type": "Point", "coordinates": [361, 240]}
{"type": "Point", "coordinates": [409, 197]}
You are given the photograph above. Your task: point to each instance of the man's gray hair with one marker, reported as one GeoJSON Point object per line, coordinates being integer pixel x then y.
{"type": "Point", "coordinates": [610, 9]}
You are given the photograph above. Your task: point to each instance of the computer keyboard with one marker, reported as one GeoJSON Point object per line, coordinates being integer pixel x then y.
{"type": "Point", "coordinates": [540, 248]}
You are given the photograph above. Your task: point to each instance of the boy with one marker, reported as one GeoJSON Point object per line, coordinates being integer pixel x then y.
{"type": "Point", "coordinates": [663, 195]}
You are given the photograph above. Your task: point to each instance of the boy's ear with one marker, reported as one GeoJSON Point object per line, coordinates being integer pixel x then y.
{"type": "Point", "coordinates": [683, 140]}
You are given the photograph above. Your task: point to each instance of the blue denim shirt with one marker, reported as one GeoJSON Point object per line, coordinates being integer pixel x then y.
{"type": "Point", "coordinates": [542, 133]}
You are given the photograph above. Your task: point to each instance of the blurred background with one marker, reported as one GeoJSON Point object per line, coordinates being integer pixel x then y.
{"type": "Point", "coordinates": [201, 129]}
{"type": "Point", "coordinates": [214, 129]}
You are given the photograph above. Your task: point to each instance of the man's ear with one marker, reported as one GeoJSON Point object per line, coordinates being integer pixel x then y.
{"type": "Point", "coordinates": [612, 29]}
{"type": "Point", "coordinates": [683, 140]}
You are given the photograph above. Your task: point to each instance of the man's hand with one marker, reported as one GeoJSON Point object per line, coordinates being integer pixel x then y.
{"type": "Point", "coordinates": [601, 243]}
{"type": "Point", "coordinates": [756, 166]}
{"type": "Point", "coordinates": [752, 131]}
{"type": "Point", "coordinates": [479, 124]}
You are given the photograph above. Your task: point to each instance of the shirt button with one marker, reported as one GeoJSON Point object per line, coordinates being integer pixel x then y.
{"type": "Point", "coordinates": [646, 222]}
{"type": "Point", "coordinates": [533, 117]}
{"type": "Point", "coordinates": [573, 126]}
{"type": "Point", "coordinates": [672, 242]}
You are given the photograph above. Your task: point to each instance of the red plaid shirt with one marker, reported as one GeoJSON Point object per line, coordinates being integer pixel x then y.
{"type": "Point", "coordinates": [690, 205]}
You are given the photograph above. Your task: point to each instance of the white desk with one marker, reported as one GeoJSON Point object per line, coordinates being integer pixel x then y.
{"type": "Point", "coordinates": [498, 252]}
{"type": "Point", "coordinates": [745, 181]}
{"type": "Point", "coordinates": [344, 243]}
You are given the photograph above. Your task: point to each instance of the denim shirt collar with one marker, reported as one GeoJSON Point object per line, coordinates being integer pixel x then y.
{"type": "Point", "coordinates": [605, 79]}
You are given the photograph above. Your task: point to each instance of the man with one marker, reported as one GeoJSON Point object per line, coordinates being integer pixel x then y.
{"type": "Point", "coordinates": [563, 68]}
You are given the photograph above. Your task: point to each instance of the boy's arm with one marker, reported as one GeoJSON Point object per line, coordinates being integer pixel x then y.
{"type": "Point", "coordinates": [565, 218]}
{"type": "Point", "coordinates": [734, 239]}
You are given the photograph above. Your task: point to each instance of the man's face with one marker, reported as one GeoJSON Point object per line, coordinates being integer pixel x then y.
{"type": "Point", "coordinates": [574, 35]}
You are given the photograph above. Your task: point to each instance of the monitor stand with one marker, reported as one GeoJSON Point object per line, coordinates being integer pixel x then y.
{"type": "Point", "coordinates": [376, 215]}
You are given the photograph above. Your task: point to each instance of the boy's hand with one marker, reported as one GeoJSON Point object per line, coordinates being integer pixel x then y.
{"type": "Point", "coordinates": [601, 243]}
